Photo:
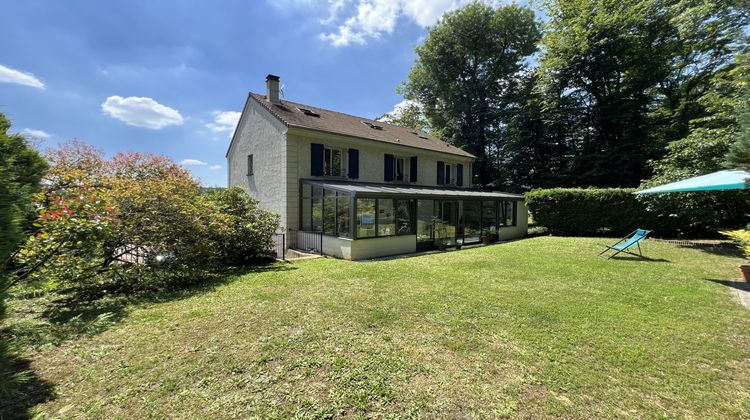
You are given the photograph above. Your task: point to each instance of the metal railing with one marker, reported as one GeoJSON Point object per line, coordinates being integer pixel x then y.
{"type": "Point", "coordinates": [306, 241]}
{"type": "Point", "coordinates": [278, 246]}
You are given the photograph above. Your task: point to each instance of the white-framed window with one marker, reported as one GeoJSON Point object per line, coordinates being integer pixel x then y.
{"type": "Point", "coordinates": [332, 162]}
{"type": "Point", "coordinates": [448, 178]}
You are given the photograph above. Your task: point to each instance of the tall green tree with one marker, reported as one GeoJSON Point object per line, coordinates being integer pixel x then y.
{"type": "Point", "coordinates": [701, 151]}
{"type": "Point", "coordinates": [531, 150]}
{"type": "Point", "coordinates": [635, 73]}
{"type": "Point", "coordinates": [739, 153]}
{"type": "Point", "coordinates": [605, 57]}
{"type": "Point", "coordinates": [706, 43]}
{"type": "Point", "coordinates": [21, 169]}
{"type": "Point", "coordinates": [465, 75]}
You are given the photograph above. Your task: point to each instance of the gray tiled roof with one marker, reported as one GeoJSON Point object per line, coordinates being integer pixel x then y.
{"type": "Point", "coordinates": [335, 122]}
{"type": "Point", "coordinates": [373, 190]}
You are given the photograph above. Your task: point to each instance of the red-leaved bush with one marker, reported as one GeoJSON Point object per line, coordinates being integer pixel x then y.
{"type": "Point", "coordinates": [132, 222]}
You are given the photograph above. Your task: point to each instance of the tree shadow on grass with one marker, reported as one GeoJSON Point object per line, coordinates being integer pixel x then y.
{"type": "Point", "coordinates": [63, 318]}
{"type": "Point", "coordinates": [723, 249]}
{"type": "Point", "coordinates": [52, 320]}
{"type": "Point", "coordinates": [734, 284]}
{"type": "Point", "coordinates": [21, 389]}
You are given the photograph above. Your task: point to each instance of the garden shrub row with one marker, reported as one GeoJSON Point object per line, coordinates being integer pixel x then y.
{"type": "Point", "coordinates": [617, 211]}
{"type": "Point", "coordinates": [592, 211]}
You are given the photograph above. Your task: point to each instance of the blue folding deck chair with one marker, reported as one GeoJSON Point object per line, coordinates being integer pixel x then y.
{"type": "Point", "coordinates": [633, 239]}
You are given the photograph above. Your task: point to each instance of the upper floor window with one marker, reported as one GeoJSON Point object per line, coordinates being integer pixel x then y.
{"type": "Point", "coordinates": [450, 174]}
{"type": "Point", "coordinates": [249, 165]}
{"type": "Point", "coordinates": [332, 162]}
{"type": "Point", "coordinates": [396, 167]}
{"type": "Point", "coordinates": [399, 169]}
{"type": "Point", "coordinates": [329, 161]}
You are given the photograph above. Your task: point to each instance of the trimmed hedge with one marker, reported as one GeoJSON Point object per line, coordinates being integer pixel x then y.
{"type": "Point", "coordinates": [591, 211]}
{"type": "Point", "coordinates": [597, 211]}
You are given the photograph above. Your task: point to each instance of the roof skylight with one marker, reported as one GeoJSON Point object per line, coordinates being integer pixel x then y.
{"type": "Point", "coordinates": [309, 112]}
{"type": "Point", "coordinates": [373, 126]}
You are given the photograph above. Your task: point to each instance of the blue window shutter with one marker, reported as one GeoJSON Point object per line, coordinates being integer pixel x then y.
{"type": "Point", "coordinates": [460, 175]}
{"type": "Point", "coordinates": [388, 167]}
{"type": "Point", "coordinates": [413, 169]}
{"type": "Point", "coordinates": [353, 163]}
{"type": "Point", "coordinates": [316, 159]}
{"type": "Point", "coordinates": [440, 173]}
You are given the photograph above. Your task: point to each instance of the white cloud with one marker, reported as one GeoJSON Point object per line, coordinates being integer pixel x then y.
{"type": "Point", "coordinates": [334, 7]}
{"type": "Point", "coordinates": [399, 108]}
{"type": "Point", "coordinates": [372, 18]}
{"type": "Point", "coordinates": [224, 121]}
{"type": "Point", "coordinates": [193, 162]}
{"type": "Point", "coordinates": [141, 112]}
{"type": "Point", "coordinates": [214, 167]}
{"type": "Point", "coordinates": [31, 133]}
{"type": "Point", "coordinates": [9, 75]}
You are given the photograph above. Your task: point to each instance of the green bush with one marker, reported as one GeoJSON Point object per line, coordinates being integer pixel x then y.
{"type": "Point", "coordinates": [593, 211]}
{"type": "Point", "coordinates": [596, 211]}
{"type": "Point", "coordinates": [250, 229]}
{"type": "Point", "coordinates": [134, 222]}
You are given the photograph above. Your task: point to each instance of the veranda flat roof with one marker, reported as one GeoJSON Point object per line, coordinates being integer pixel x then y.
{"type": "Point", "coordinates": [365, 189]}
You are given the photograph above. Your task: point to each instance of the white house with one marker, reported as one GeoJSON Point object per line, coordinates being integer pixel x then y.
{"type": "Point", "coordinates": [356, 188]}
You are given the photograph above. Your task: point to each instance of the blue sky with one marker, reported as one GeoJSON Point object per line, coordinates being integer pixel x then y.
{"type": "Point", "coordinates": [171, 77]}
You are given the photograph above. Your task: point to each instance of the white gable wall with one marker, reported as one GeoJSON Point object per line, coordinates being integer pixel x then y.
{"type": "Point", "coordinates": [263, 136]}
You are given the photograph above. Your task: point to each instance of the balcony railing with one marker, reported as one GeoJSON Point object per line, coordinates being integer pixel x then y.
{"type": "Point", "coordinates": [305, 241]}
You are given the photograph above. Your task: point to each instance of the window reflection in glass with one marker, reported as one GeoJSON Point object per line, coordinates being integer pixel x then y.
{"type": "Point", "coordinates": [472, 221]}
{"type": "Point", "coordinates": [317, 214]}
{"type": "Point", "coordinates": [386, 217]}
{"type": "Point", "coordinates": [403, 217]}
{"type": "Point", "coordinates": [332, 162]}
{"type": "Point", "coordinates": [424, 220]}
{"type": "Point", "coordinates": [365, 217]}
{"type": "Point", "coordinates": [329, 212]}
{"type": "Point", "coordinates": [489, 217]}
{"type": "Point", "coordinates": [342, 215]}
{"type": "Point", "coordinates": [510, 210]}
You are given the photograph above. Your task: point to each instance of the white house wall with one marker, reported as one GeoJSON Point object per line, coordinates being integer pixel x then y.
{"type": "Point", "coordinates": [363, 249]}
{"type": "Point", "coordinates": [521, 227]}
{"type": "Point", "coordinates": [264, 137]}
{"type": "Point", "coordinates": [371, 163]}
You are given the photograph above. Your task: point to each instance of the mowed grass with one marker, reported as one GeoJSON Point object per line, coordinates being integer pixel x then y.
{"type": "Point", "coordinates": [538, 327]}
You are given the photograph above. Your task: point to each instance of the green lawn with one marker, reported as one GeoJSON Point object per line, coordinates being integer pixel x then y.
{"type": "Point", "coordinates": [538, 327]}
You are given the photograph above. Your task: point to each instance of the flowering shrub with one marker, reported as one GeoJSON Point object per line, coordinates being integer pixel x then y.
{"type": "Point", "coordinates": [132, 222]}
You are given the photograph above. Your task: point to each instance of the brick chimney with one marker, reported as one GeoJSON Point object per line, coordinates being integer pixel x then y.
{"type": "Point", "coordinates": [272, 88]}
